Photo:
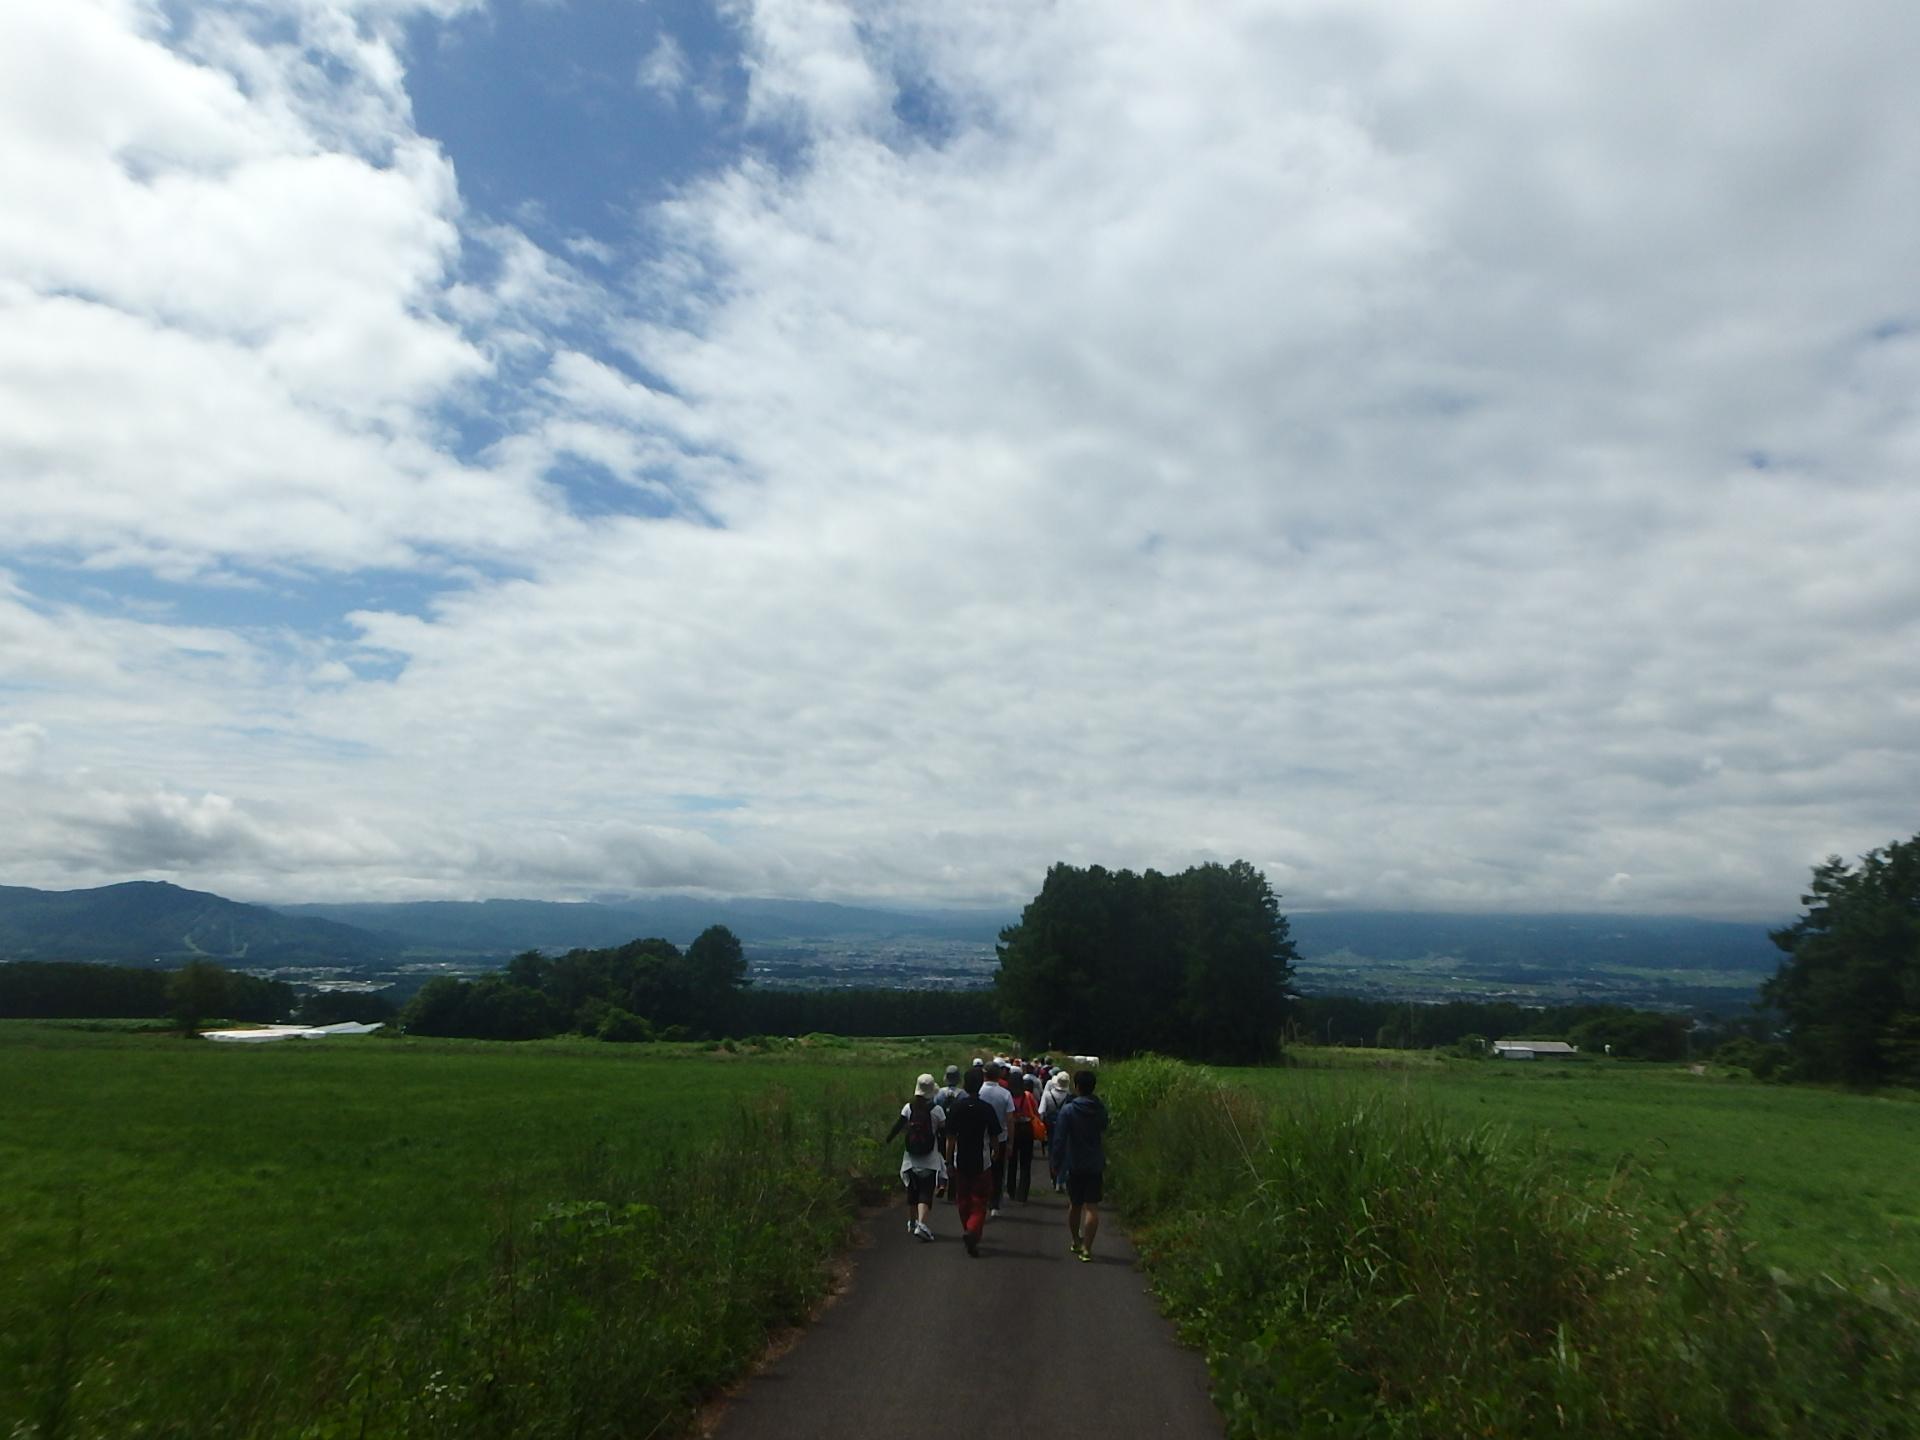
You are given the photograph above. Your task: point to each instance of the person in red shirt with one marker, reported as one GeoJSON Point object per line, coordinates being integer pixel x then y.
{"type": "Point", "coordinates": [1020, 1139]}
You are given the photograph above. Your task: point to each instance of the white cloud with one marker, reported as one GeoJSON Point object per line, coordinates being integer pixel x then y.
{"type": "Point", "coordinates": [20, 747]}
{"type": "Point", "coordinates": [1455, 457]}
{"type": "Point", "coordinates": [664, 69]}
{"type": "Point", "coordinates": [221, 334]}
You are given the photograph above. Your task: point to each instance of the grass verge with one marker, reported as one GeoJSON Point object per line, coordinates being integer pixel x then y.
{"type": "Point", "coordinates": [1359, 1265]}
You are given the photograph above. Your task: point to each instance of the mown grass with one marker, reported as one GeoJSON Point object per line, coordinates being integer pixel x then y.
{"type": "Point", "coordinates": [372, 1237]}
{"type": "Point", "coordinates": [1359, 1263]}
{"type": "Point", "coordinates": [1822, 1178]}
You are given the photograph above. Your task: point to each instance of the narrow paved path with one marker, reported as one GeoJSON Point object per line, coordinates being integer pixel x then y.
{"type": "Point", "coordinates": [1024, 1340]}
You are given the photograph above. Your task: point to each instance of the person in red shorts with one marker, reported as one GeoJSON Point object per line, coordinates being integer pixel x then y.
{"type": "Point", "coordinates": [978, 1144]}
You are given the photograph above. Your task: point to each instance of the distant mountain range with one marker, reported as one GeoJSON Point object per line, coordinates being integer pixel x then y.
{"type": "Point", "coordinates": [494, 926]}
{"type": "Point", "coordinates": [146, 920]}
{"type": "Point", "coordinates": [150, 920]}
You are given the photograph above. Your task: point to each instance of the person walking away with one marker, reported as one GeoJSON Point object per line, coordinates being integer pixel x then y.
{"type": "Point", "coordinates": [922, 1165]}
{"type": "Point", "coordinates": [1079, 1154]}
{"type": "Point", "coordinates": [1058, 1091]}
{"type": "Point", "coordinates": [996, 1094]}
{"type": "Point", "coordinates": [1020, 1139]}
{"type": "Point", "coordinates": [946, 1098]}
{"type": "Point", "coordinates": [977, 1143]}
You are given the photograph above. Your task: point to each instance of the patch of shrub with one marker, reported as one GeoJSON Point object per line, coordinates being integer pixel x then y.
{"type": "Point", "coordinates": [622, 1026]}
{"type": "Point", "coordinates": [1763, 1060]}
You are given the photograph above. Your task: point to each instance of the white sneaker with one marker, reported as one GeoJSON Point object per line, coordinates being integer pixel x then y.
{"type": "Point", "coordinates": [994, 1214]}
{"type": "Point", "coordinates": [922, 1230]}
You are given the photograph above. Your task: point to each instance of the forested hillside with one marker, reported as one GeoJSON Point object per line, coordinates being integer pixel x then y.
{"type": "Point", "coordinates": [147, 920]}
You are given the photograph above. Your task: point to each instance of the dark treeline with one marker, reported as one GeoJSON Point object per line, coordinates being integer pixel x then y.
{"type": "Point", "coordinates": [1114, 963]}
{"type": "Point", "coordinates": [58, 990]}
{"type": "Point", "coordinates": [76, 990]}
{"type": "Point", "coordinates": [649, 989]}
{"type": "Point", "coordinates": [1402, 1025]}
{"type": "Point", "coordinates": [637, 991]}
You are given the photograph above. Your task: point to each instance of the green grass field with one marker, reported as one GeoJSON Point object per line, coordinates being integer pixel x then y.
{"type": "Point", "coordinates": [1827, 1181]}
{"type": "Point", "coordinates": [346, 1236]}
{"type": "Point", "coordinates": [187, 1218]}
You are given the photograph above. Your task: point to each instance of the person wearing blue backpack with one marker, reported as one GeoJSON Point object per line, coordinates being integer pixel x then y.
{"type": "Point", "coordinates": [922, 1165]}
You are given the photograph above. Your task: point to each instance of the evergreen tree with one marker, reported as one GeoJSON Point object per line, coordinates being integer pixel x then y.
{"type": "Point", "coordinates": [1850, 987]}
{"type": "Point", "coordinates": [1116, 962]}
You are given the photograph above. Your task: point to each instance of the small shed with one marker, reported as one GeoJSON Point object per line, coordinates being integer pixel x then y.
{"type": "Point", "coordinates": [1533, 1050]}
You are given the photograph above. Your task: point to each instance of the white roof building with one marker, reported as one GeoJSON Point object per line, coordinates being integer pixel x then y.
{"type": "Point", "coordinates": [1533, 1049]}
{"type": "Point", "coordinates": [259, 1034]}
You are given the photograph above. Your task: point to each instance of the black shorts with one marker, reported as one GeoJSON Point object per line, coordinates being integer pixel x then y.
{"type": "Point", "coordinates": [1084, 1187]}
{"type": "Point", "coordinates": [920, 1187]}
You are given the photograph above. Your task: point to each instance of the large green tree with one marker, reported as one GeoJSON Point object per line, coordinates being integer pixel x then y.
{"type": "Point", "coordinates": [1115, 962]}
{"type": "Point", "coordinates": [1850, 987]}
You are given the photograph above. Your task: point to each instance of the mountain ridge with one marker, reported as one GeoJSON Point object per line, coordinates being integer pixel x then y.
{"type": "Point", "coordinates": [138, 921]}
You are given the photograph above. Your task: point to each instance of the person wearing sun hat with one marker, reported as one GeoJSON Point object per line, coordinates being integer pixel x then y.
{"type": "Point", "coordinates": [922, 1165]}
{"type": "Point", "coordinates": [946, 1098]}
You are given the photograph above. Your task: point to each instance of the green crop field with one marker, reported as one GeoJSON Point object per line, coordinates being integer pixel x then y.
{"type": "Point", "coordinates": [188, 1224]}
{"type": "Point", "coordinates": [1826, 1180]}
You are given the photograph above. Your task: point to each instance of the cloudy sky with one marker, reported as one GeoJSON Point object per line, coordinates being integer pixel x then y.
{"type": "Point", "coordinates": [1455, 455]}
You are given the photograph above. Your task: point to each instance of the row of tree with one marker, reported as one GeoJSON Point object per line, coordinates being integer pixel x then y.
{"type": "Point", "coordinates": [1400, 1025]}
{"type": "Point", "coordinates": [198, 991]}
{"type": "Point", "coordinates": [628, 992]}
{"type": "Point", "coordinates": [1112, 962]}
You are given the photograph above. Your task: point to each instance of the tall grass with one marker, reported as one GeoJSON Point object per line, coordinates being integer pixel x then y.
{"type": "Point", "coordinates": [610, 1305]}
{"type": "Point", "coordinates": [1355, 1265]}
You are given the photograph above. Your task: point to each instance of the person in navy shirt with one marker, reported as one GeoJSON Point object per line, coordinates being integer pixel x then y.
{"type": "Point", "coordinates": [1076, 1148]}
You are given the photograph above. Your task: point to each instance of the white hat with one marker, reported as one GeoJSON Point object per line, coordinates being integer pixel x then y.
{"type": "Point", "coordinates": [924, 1085]}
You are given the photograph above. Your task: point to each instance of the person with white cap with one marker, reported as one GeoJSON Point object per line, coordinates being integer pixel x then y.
{"type": "Point", "coordinates": [922, 1165]}
{"type": "Point", "coordinates": [996, 1094]}
{"type": "Point", "coordinates": [946, 1098]}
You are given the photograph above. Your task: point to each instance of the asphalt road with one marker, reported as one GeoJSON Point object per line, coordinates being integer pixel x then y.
{"type": "Point", "coordinates": [1024, 1340]}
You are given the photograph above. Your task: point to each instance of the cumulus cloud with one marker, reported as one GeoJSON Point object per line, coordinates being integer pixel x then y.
{"type": "Point", "coordinates": [1449, 458]}
{"type": "Point", "coordinates": [225, 297]}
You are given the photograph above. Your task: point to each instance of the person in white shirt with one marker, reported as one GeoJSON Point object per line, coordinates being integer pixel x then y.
{"type": "Point", "coordinates": [1059, 1090]}
{"type": "Point", "coordinates": [996, 1094]}
{"type": "Point", "coordinates": [923, 1165]}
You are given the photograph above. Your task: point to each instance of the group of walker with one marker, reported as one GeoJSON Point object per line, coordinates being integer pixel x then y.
{"type": "Point", "coordinates": [973, 1138]}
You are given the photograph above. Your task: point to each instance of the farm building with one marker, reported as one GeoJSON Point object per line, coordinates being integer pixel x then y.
{"type": "Point", "coordinates": [1533, 1049]}
{"type": "Point", "coordinates": [256, 1034]}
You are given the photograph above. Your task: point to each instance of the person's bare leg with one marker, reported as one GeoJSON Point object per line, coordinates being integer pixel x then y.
{"type": "Point", "coordinates": [1073, 1224]}
{"type": "Point", "coordinates": [1089, 1225]}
